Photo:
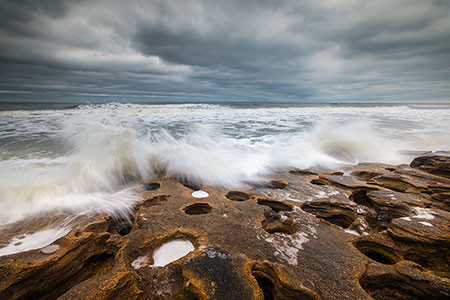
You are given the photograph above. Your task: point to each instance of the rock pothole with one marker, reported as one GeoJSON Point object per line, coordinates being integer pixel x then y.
{"type": "Point", "coordinates": [152, 186]}
{"type": "Point", "coordinates": [124, 228]}
{"type": "Point", "coordinates": [407, 281]}
{"type": "Point", "coordinates": [237, 196]}
{"type": "Point", "coordinates": [198, 209]}
{"type": "Point", "coordinates": [360, 197]}
{"type": "Point", "coordinates": [340, 214]}
{"type": "Point", "coordinates": [155, 200]}
{"type": "Point", "coordinates": [319, 181]}
{"type": "Point", "coordinates": [121, 226]}
{"type": "Point", "coordinates": [275, 205]}
{"type": "Point", "coordinates": [377, 252]}
{"type": "Point", "coordinates": [274, 222]}
{"type": "Point", "coordinates": [273, 288]}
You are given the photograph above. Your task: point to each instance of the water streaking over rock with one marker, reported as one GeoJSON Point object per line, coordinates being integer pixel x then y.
{"type": "Point", "coordinates": [89, 158]}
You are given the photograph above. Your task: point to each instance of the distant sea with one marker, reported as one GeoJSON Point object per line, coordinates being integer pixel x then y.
{"type": "Point", "coordinates": [78, 158]}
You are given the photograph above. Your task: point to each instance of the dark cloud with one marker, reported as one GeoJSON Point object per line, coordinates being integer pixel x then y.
{"type": "Point", "coordinates": [337, 50]}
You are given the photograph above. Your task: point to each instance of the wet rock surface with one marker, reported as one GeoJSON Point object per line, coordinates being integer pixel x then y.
{"type": "Point", "coordinates": [370, 231]}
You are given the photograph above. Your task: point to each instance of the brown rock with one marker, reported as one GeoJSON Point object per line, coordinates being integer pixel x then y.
{"type": "Point", "coordinates": [258, 243]}
{"type": "Point", "coordinates": [97, 226]}
{"type": "Point", "coordinates": [338, 213]}
{"type": "Point", "coordinates": [405, 280]}
{"type": "Point", "coordinates": [441, 200]}
{"type": "Point", "coordinates": [434, 164]}
{"type": "Point", "coordinates": [431, 227]}
{"type": "Point", "coordinates": [278, 184]}
{"type": "Point", "coordinates": [34, 275]}
{"type": "Point", "coordinates": [346, 182]}
{"type": "Point", "coordinates": [302, 172]}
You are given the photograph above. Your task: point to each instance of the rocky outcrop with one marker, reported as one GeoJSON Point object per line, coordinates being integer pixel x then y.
{"type": "Point", "coordinates": [434, 164]}
{"type": "Point", "coordinates": [370, 231]}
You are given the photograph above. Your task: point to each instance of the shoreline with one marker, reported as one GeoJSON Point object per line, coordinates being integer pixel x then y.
{"type": "Point", "coordinates": [377, 230]}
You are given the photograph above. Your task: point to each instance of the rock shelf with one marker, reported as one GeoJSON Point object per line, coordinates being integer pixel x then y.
{"type": "Point", "coordinates": [370, 231]}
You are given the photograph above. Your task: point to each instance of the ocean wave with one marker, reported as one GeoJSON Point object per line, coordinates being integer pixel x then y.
{"type": "Point", "coordinates": [104, 161]}
{"type": "Point", "coordinates": [93, 161]}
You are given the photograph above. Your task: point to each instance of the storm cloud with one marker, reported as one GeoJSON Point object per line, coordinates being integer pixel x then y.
{"type": "Point", "coordinates": [163, 50]}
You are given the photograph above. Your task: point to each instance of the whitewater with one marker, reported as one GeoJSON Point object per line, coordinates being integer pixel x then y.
{"type": "Point", "coordinates": [82, 159]}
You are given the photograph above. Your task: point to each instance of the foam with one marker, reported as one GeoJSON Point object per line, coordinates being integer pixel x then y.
{"type": "Point", "coordinates": [199, 194]}
{"type": "Point", "coordinates": [90, 158]}
{"type": "Point", "coordinates": [35, 240]}
{"type": "Point", "coordinates": [171, 251]}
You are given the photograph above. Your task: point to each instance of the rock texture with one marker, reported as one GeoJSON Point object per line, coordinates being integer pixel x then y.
{"type": "Point", "coordinates": [368, 231]}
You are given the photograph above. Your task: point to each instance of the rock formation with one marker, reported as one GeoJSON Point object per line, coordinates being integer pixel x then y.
{"type": "Point", "coordinates": [367, 231]}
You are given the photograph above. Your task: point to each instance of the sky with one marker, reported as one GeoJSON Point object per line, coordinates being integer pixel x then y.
{"type": "Point", "coordinates": [215, 50]}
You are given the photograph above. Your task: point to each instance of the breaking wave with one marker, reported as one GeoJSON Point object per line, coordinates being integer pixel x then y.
{"type": "Point", "coordinates": [99, 162]}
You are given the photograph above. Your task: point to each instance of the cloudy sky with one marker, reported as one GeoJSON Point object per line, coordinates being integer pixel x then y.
{"type": "Point", "coordinates": [215, 50]}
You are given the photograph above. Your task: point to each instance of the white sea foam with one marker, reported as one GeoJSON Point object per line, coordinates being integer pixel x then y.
{"type": "Point", "coordinates": [90, 158]}
{"type": "Point", "coordinates": [199, 194]}
{"type": "Point", "coordinates": [35, 240]}
{"type": "Point", "coordinates": [171, 251]}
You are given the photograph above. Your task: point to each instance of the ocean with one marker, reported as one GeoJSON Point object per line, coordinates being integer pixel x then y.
{"type": "Point", "coordinates": [75, 159]}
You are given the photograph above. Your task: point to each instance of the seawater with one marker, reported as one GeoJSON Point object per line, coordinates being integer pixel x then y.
{"type": "Point", "coordinates": [89, 158]}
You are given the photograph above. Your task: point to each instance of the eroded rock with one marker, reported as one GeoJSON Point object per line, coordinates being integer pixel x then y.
{"type": "Point", "coordinates": [434, 164]}
{"type": "Point", "coordinates": [392, 241]}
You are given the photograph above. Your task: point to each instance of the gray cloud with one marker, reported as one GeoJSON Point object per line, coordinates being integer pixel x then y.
{"type": "Point", "coordinates": [331, 50]}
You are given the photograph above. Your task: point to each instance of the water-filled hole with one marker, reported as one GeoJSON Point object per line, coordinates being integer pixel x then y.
{"type": "Point", "coordinates": [198, 209]}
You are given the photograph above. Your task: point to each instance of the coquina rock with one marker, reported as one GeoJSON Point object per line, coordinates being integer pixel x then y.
{"type": "Point", "coordinates": [370, 231]}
